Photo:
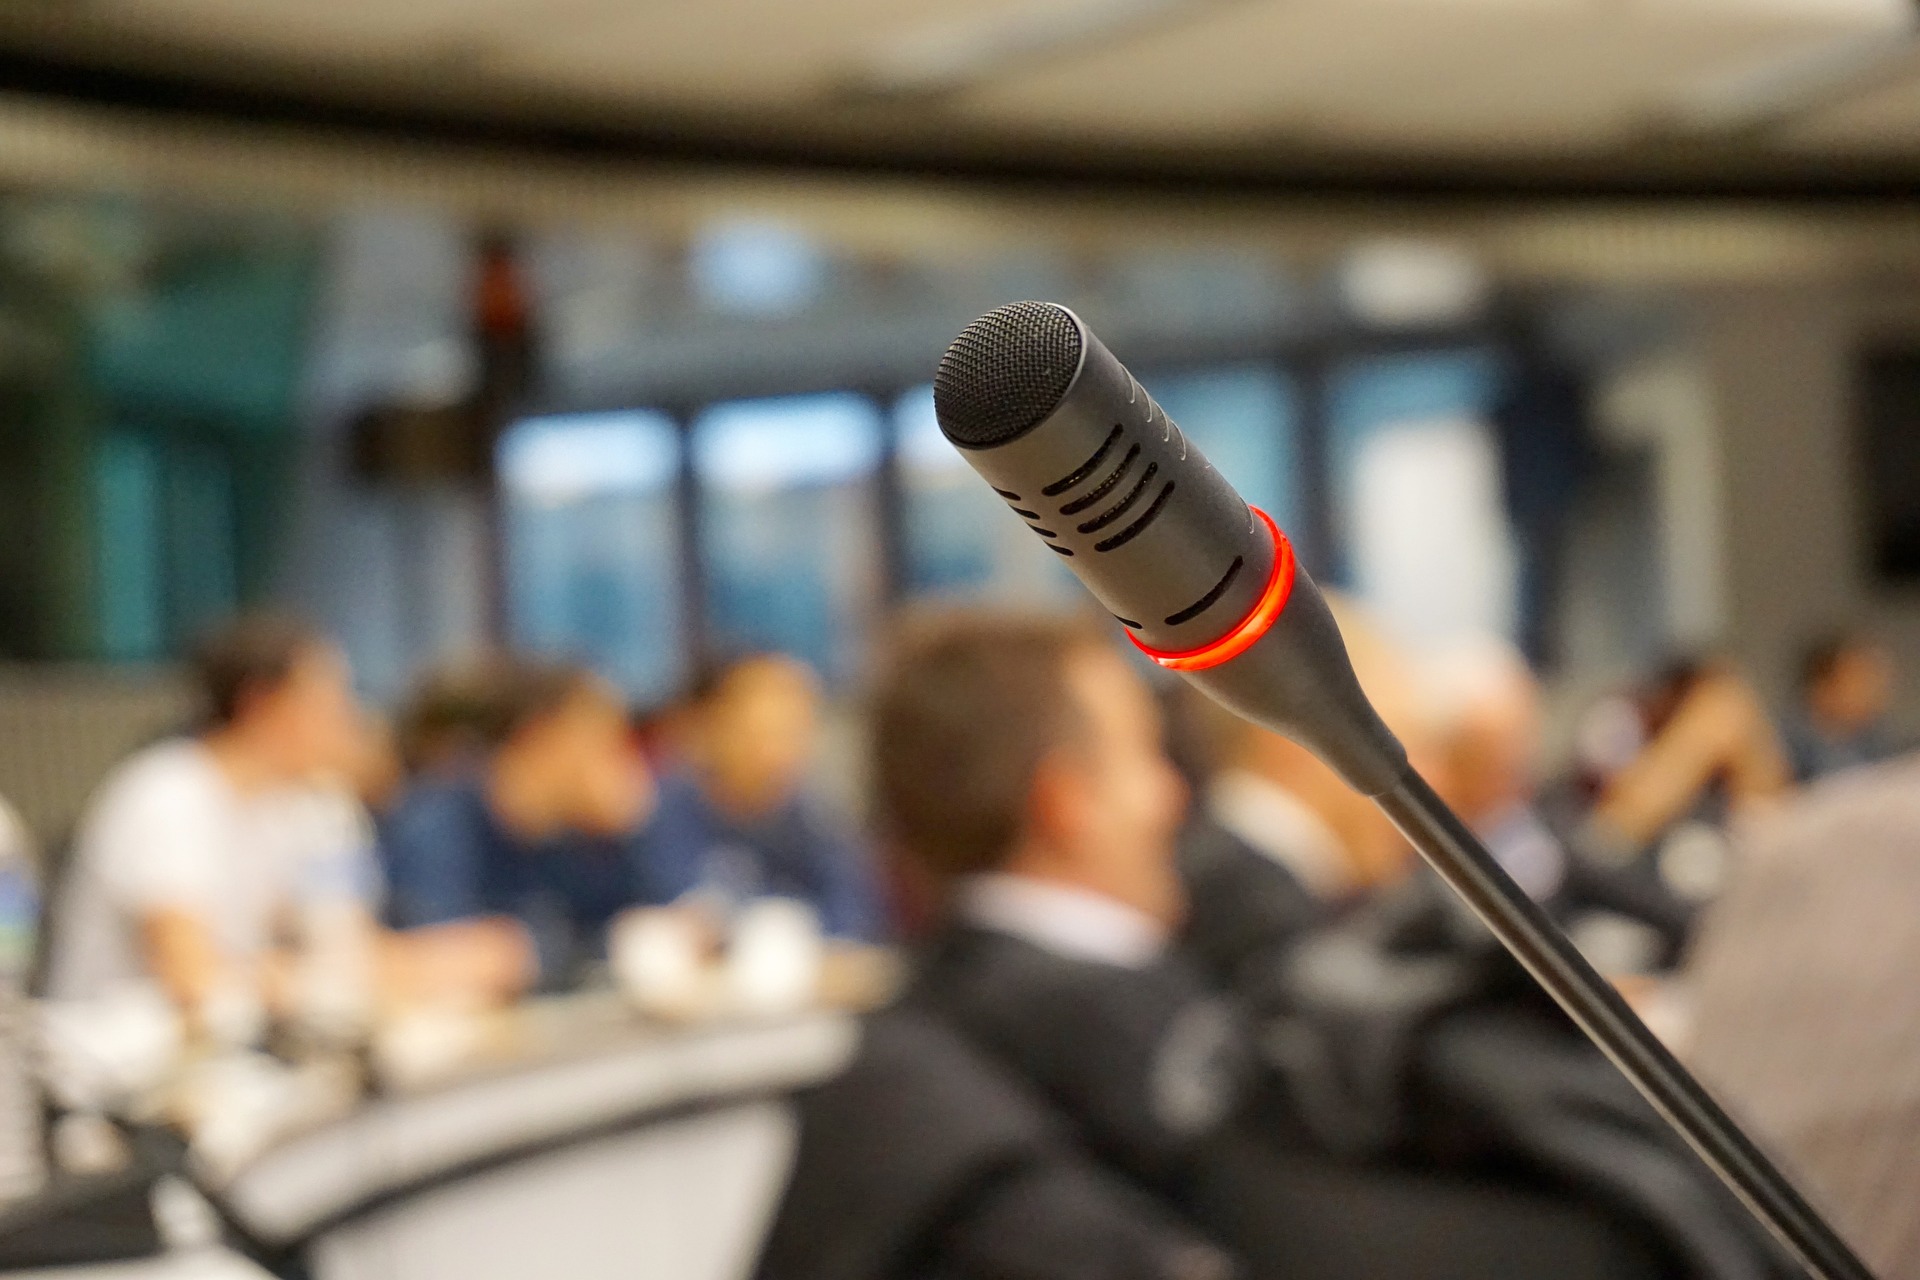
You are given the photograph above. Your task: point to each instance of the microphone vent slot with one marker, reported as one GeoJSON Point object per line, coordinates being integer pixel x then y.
{"type": "Point", "coordinates": [1005, 373]}
{"type": "Point", "coordinates": [1085, 469]}
{"type": "Point", "coordinates": [1054, 546]}
{"type": "Point", "coordinates": [1121, 507]}
{"type": "Point", "coordinates": [1105, 487]}
{"type": "Point", "coordinates": [1133, 530]}
{"type": "Point", "coordinates": [1212, 597]}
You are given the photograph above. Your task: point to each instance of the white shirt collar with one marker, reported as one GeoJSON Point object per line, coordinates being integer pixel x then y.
{"type": "Point", "coordinates": [1275, 822]}
{"type": "Point", "coordinates": [1073, 923]}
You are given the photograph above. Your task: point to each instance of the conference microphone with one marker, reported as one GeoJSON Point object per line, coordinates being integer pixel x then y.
{"type": "Point", "coordinates": [1207, 586]}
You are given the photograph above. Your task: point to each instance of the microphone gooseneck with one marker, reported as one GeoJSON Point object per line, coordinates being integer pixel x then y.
{"type": "Point", "coordinates": [1208, 587]}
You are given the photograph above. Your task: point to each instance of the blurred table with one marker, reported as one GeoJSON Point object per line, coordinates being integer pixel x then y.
{"type": "Point", "coordinates": [576, 1139]}
{"type": "Point", "coordinates": [546, 1070]}
{"type": "Point", "coordinates": [199, 1264]}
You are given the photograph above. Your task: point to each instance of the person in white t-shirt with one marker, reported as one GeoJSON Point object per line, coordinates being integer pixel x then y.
{"type": "Point", "coordinates": [201, 861]}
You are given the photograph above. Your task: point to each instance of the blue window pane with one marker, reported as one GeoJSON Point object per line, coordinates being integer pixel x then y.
{"type": "Point", "coordinates": [592, 569]}
{"type": "Point", "coordinates": [789, 530]}
{"type": "Point", "coordinates": [756, 267]}
{"type": "Point", "coordinates": [1243, 418]}
{"type": "Point", "coordinates": [962, 542]}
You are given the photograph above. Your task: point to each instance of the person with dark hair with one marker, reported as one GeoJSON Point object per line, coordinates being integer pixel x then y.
{"type": "Point", "coordinates": [1018, 767]}
{"type": "Point", "coordinates": [197, 856]}
{"type": "Point", "coordinates": [1839, 720]}
{"type": "Point", "coordinates": [735, 823]}
{"type": "Point", "coordinates": [535, 827]}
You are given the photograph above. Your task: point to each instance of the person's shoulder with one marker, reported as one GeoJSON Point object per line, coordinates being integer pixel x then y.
{"type": "Point", "coordinates": [171, 760]}
{"type": "Point", "coordinates": [432, 809]}
{"type": "Point", "coordinates": [1869, 812]}
{"type": "Point", "coordinates": [328, 814]}
{"type": "Point", "coordinates": [1888, 791]}
{"type": "Point", "coordinates": [176, 773]}
{"type": "Point", "coordinates": [971, 970]}
{"type": "Point", "coordinates": [679, 788]}
{"type": "Point", "coordinates": [680, 807]}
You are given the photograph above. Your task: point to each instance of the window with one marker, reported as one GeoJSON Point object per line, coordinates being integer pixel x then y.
{"type": "Point", "coordinates": [132, 584]}
{"type": "Point", "coordinates": [789, 530]}
{"type": "Point", "coordinates": [962, 542]}
{"type": "Point", "coordinates": [592, 544]}
{"type": "Point", "coordinates": [1418, 494]}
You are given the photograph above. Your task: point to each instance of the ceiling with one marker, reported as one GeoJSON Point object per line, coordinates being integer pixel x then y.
{"type": "Point", "coordinates": [1766, 95]}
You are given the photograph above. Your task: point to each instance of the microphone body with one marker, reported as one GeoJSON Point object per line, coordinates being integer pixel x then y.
{"type": "Point", "coordinates": [1113, 486]}
{"type": "Point", "coordinates": [1208, 587]}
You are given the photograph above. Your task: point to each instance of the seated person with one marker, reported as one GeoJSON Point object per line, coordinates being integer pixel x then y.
{"type": "Point", "coordinates": [196, 856]}
{"type": "Point", "coordinates": [1804, 1004]}
{"type": "Point", "coordinates": [734, 824]}
{"type": "Point", "coordinates": [1020, 762]}
{"type": "Point", "coordinates": [1276, 843]}
{"type": "Point", "coordinates": [535, 828]}
{"type": "Point", "coordinates": [1696, 742]}
{"type": "Point", "coordinates": [445, 727]}
{"type": "Point", "coordinates": [1839, 721]}
{"type": "Point", "coordinates": [1483, 705]}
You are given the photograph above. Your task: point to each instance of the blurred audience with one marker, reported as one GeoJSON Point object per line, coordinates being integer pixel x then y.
{"type": "Point", "coordinates": [1280, 799]}
{"type": "Point", "coordinates": [1483, 704]}
{"type": "Point", "coordinates": [210, 863]}
{"type": "Point", "coordinates": [1665, 774]}
{"type": "Point", "coordinates": [1806, 1016]}
{"type": "Point", "coordinates": [1695, 742]}
{"type": "Point", "coordinates": [528, 794]}
{"type": "Point", "coordinates": [1019, 762]}
{"type": "Point", "coordinates": [1838, 720]}
{"type": "Point", "coordinates": [735, 823]}
{"type": "Point", "coordinates": [1275, 843]}
{"type": "Point", "coordinates": [450, 720]}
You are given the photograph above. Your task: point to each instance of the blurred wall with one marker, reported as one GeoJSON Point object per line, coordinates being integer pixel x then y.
{"type": "Point", "coordinates": [1778, 363]}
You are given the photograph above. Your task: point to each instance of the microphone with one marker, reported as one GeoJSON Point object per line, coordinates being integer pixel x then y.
{"type": "Point", "coordinates": [1203, 584]}
{"type": "Point", "coordinates": [1206, 586]}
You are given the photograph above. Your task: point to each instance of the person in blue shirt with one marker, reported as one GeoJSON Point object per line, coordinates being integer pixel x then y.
{"type": "Point", "coordinates": [536, 826]}
{"type": "Point", "coordinates": [1846, 688]}
{"type": "Point", "coordinates": [733, 823]}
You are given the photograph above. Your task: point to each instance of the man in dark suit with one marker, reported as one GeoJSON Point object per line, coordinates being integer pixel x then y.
{"type": "Point", "coordinates": [1018, 763]}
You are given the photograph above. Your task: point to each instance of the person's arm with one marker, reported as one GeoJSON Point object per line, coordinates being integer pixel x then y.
{"type": "Point", "coordinates": [182, 956]}
{"type": "Point", "coordinates": [485, 960]}
{"type": "Point", "coordinates": [1720, 730]}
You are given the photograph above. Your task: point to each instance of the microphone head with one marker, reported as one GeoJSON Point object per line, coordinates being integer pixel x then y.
{"type": "Point", "coordinates": [1005, 373]}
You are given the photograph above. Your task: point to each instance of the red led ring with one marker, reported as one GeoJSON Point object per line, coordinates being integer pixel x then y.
{"type": "Point", "coordinates": [1243, 636]}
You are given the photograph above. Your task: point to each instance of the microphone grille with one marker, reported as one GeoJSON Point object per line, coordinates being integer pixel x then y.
{"type": "Point", "coordinates": [1006, 372]}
